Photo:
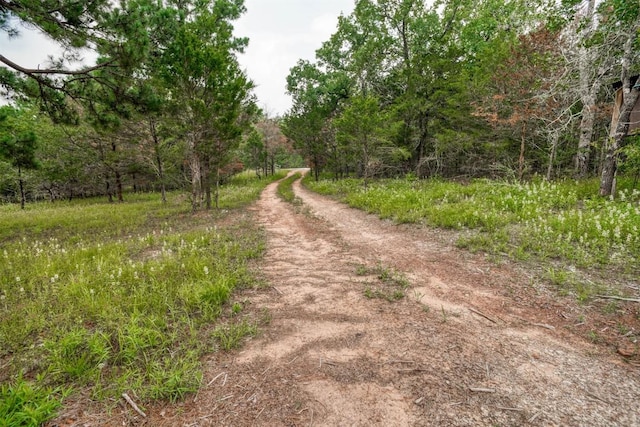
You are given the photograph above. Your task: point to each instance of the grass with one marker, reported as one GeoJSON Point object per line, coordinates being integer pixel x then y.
{"type": "Point", "coordinates": [390, 284]}
{"type": "Point", "coordinates": [564, 221]}
{"type": "Point", "coordinates": [119, 297]}
{"type": "Point", "coordinates": [285, 190]}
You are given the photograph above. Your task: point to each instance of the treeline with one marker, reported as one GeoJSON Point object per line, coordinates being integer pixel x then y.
{"type": "Point", "coordinates": [463, 88]}
{"type": "Point", "coordinates": [165, 106]}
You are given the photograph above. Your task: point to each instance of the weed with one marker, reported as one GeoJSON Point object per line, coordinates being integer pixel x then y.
{"type": "Point", "coordinates": [285, 190]}
{"type": "Point", "coordinates": [594, 337]}
{"type": "Point", "coordinates": [116, 298]}
{"type": "Point", "coordinates": [562, 220]}
{"type": "Point", "coordinates": [26, 404]}
{"type": "Point", "coordinates": [230, 336]}
{"type": "Point", "coordinates": [391, 284]}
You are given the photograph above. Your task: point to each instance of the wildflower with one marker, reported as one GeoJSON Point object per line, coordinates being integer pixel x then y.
{"type": "Point", "coordinates": [21, 289]}
{"type": "Point", "coordinates": [18, 279]}
{"type": "Point", "coordinates": [206, 270]}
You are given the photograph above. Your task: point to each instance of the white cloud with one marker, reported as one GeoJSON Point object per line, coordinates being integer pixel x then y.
{"type": "Point", "coordinates": [281, 32]}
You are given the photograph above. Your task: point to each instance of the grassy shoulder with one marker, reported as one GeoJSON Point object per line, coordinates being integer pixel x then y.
{"type": "Point", "coordinates": [117, 298]}
{"type": "Point", "coordinates": [561, 221]}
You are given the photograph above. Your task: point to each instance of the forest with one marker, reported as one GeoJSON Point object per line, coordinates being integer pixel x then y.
{"type": "Point", "coordinates": [459, 89]}
{"type": "Point", "coordinates": [453, 89]}
{"type": "Point", "coordinates": [165, 107]}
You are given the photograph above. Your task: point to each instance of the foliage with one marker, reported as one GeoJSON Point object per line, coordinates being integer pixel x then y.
{"type": "Point", "coordinates": [561, 220]}
{"type": "Point", "coordinates": [120, 297]}
{"type": "Point", "coordinates": [23, 404]}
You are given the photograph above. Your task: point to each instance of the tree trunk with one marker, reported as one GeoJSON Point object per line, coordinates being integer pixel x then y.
{"type": "Point", "coordinates": [119, 186]}
{"type": "Point", "coordinates": [586, 135]}
{"type": "Point", "coordinates": [196, 177]}
{"type": "Point", "coordinates": [116, 172]}
{"type": "Point", "coordinates": [108, 186]}
{"type": "Point", "coordinates": [23, 197]}
{"type": "Point", "coordinates": [521, 157]}
{"type": "Point", "coordinates": [630, 92]}
{"type": "Point", "coordinates": [160, 166]}
{"type": "Point", "coordinates": [217, 194]}
{"type": "Point", "coordinates": [589, 87]}
{"type": "Point", "coordinates": [552, 155]}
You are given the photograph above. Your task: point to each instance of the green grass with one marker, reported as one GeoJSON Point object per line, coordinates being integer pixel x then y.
{"type": "Point", "coordinates": [389, 285]}
{"type": "Point", "coordinates": [120, 297]}
{"type": "Point", "coordinates": [563, 221]}
{"type": "Point", "coordinates": [285, 190]}
{"type": "Point", "coordinates": [23, 404]}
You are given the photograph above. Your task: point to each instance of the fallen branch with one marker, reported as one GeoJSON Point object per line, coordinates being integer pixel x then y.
{"type": "Point", "coordinates": [277, 290]}
{"type": "Point", "coordinates": [482, 390]}
{"type": "Point", "coordinates": [479, 313]}
{"type": "Point", "coordinates": [618, 298]}
{"type": "Point", "coordinates": [133, 405]}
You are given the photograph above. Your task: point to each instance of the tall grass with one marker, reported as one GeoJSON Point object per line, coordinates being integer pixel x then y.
{"type": "Point", "coordinates": [285, 189]}
{"type": "Point", "coordinates": [561, 220]}
{"type": "Point", "coordinates": [119, 297]}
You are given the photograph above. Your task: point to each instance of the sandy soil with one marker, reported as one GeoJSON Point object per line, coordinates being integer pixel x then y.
{"type": "Point", "coordinates": [472, 343]}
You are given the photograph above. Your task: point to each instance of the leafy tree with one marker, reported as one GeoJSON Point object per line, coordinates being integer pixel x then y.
{"type": "Point", "coordinates": [369, 131]}
{"type": "Point", "coordinates": [18, 144]}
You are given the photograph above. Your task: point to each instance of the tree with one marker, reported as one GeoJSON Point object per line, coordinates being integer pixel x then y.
{"type": "Point", "coordinates": [210, 100]}
{"type": "Point", "coordinates": [369, 131]}
{"type": "Point", "coordinates": [18, 144]}
{"type": "Point", "coordinates": [624, 19]}
{"type": "Point", "coordinates": [115, 30]}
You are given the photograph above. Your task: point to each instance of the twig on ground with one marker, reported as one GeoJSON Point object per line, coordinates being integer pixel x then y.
{"type": "Point", "coordinates": [618, 298]}
{"type": "Point", "coordinates": [482, 390]}
{"type": "Point", "coordinates": [510, 409]}
{"type": "Point", "coordinates": [479, 313]}
{"type": "Point", "coordinates": [594, 396]}
{"type": "Point", "coordinates": [216, 377]}
{"type": "Point", "coordinates": [412, 370]}
{"type": "Point", "coordinates": [536, 415]}
{"type": "Point", "coordinates": [278, 290]}
{"type": "Point", "coordinates": [133, 405]}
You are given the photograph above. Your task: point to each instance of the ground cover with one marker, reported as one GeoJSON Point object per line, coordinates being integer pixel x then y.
{"type": "Point", "coordinates": [556, 222]}
{"type": "Point", "coordinates": [105, 299]}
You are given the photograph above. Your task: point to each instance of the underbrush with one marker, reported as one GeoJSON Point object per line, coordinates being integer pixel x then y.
{"type": "Point", "coordinates": [562, 221]}
{"type": "Point", "coordinates": [115, 298]}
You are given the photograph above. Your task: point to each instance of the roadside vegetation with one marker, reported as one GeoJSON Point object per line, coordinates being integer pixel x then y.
{"type": "Point", "coordinates": [120, 298]}
{"type": "Point", "coordinates": [559, 221]}
{"type": "Point", "coordinates": [285, 190]}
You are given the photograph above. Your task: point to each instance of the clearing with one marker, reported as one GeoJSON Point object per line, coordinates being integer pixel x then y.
{"type": "Point", "coordinates": [473, 342]}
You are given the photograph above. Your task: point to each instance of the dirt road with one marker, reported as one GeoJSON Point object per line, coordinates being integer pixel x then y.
{"type": "Point", "coordinates": [464, 347]}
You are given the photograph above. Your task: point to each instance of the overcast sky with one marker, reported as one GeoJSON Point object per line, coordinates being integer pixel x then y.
{"type": "Point", "coordinates": [280, 33]}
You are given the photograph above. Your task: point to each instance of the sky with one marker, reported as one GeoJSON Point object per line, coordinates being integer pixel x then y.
{"type": "Point", "coordinates": [280, 33]}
